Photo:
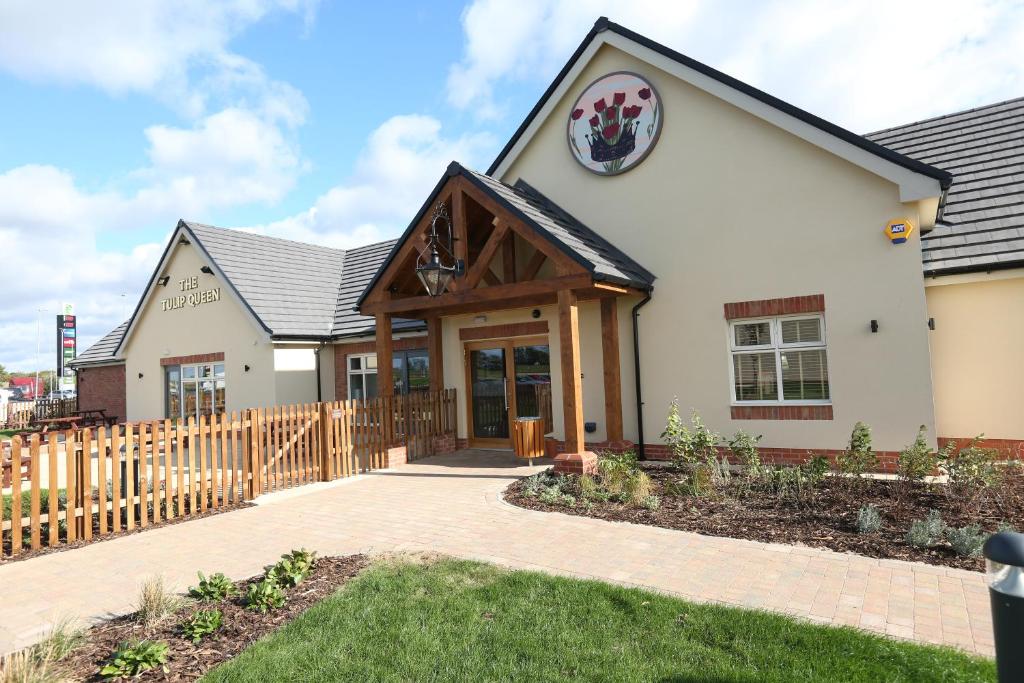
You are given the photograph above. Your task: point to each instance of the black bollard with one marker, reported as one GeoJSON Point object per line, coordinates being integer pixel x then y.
{"type": "Point", "coordinates": [1004, 562]}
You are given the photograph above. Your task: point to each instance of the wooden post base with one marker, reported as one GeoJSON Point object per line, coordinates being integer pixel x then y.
{"type": "Point", "coordinates": [576, 463]}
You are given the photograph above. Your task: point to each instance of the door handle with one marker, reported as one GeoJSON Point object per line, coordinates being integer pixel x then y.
{"type": "Point", "coordinates": [504, 386]}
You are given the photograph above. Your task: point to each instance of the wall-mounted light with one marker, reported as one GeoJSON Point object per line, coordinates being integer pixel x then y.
{"type": "Point", "coordinates": [874, 326]}
{"type": "Point", "coordinates": [140, 375]}
{"type": "Point", "coordinates": [247, 368]}
{"type": "Point", "coordinates": [207, 270]}
{"type": "Point", "coordinates": [931, 323]}
{"type": "Point", "coordinates": [163, 280]}
{"type": "Point", "coordinates": [535, 313]}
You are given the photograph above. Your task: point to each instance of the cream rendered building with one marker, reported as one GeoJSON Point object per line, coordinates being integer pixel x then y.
{"type": "Point", "coordinates": [744, 251]}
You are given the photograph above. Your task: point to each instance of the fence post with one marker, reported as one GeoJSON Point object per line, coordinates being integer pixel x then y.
{"type": "Point", "coordinates": [325, 442]}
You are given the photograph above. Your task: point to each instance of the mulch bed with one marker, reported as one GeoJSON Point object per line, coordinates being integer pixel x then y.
{"type": "Point", "coordinates": [830, 522]}
{"type": "Point", "coordinates": [241, 627]}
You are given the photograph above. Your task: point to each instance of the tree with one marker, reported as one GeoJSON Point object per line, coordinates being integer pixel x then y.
{"type": "Point", "coordinates": [5, 376]}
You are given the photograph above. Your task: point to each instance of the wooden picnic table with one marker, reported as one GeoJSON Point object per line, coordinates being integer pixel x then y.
{"type": "Point", "coordinates": [94, 416]}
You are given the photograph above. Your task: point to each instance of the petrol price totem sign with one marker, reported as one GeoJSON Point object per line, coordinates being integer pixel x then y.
{"type": "Point", "coordinates": [67, 345]}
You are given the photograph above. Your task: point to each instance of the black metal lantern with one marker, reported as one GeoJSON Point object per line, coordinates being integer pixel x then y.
{"type": "Point", "coordinates": [432, 265]}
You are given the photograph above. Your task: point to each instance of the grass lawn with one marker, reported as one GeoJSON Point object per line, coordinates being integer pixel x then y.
{"type": "Point", "coordinates": [6, 433]}
{"type": "Point", "coordinates": [463, 621]}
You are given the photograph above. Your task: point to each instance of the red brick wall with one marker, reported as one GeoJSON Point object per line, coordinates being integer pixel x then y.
{"type": "Point", "coordinates": [771, 307]}
{"type": "Point", "coordinates": [342, 351]}
{"type": "Point", "coordinates": [103, 388]}
{"type": "Point", "coordinates": [822, 412]}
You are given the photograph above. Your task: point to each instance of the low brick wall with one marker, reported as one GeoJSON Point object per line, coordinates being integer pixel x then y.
{"type": "Point", "coordinates": [443, 444]}
{"type": "Point", "coordinates": [103, 388]}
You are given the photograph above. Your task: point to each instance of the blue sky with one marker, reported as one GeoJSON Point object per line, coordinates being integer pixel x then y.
{"type": "Point", "coordinates": [328, 121]}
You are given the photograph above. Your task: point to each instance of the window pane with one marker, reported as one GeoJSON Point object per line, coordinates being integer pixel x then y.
{"type": "Point", "coordinates": [398, 373]}
{"type": "Point", "coordinates": [371, 385]}
{"type": "Point", "coordinates": [801, 331]}
{"type": "Point", "coordinates": [188, 371]}
{"type": "Point", "coordinates": [218, 400]}
{"type": "Point", "coordinates": [173, 392]}
{"type": "Point", "coordinates": [218, 370]}
{"type": "Point", "coordinates": [419, 371]}
{"type": "Point", "coordinates": [206, 397]}
{"type": "Point", "coordinates": [205, 371]}
{"type": "Point", "coordinates": [533, 380]}
{"type": "Point", "coordinates": [371, 362]}
{"type": "Point", "coordinates": [355, 362]}
{"type": "Point", "coordinates": [752, 334]}
{"type": "Point", "coordinates": [355, 387]}
{"type": "Point", "coordinates": [804, 375]}
{"type": "Point", "coordinates": [189, 399]}
{"type": "Point", "coordinates": [755, 377]}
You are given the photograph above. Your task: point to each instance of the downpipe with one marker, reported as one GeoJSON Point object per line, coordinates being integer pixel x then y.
{"type": "Point", "coordinates": [636, 376]}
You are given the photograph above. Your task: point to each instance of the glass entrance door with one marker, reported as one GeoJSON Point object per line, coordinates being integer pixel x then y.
{"type": "Point", "coordinates": [489, 393]}
{"type": "Point", "coordinates": [506, 379]}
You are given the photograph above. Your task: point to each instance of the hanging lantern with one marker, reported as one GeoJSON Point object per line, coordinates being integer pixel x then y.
{"type": "Point", "coordinates": [437, 265]}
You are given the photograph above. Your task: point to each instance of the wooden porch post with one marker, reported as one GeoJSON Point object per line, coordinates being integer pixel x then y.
{"type": "Point", "coordinates": [435, 354]}
{"type": "Point", "coordinates": [612, 369]}
{"type": "Point", "coordinates": [575, 459]}
{"type": "Point", "coordinates": [385, 382]}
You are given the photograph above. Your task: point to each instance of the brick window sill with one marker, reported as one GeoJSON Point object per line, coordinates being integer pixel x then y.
{"type": "Point", "coordinates": [781, 412]}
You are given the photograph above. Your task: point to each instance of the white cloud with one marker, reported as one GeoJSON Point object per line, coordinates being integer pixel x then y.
{"type": "Point", "coordinates": [403, 159]}
{"type": "Point", "coordinates": [150, 46]}
{"type": "Point", "coordinates": [863, 65]}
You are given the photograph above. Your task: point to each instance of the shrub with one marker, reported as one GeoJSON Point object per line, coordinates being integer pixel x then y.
{"type": "Point", "coordinates": [924, 533]}
{"type": "Point", "coordinates": [651, 502]}
{"type": "Point", "coordinates": [264, 596]}
{"type": "Point", "coordinates": [858, 458]}
{"type": "Point", "coordinates": [616, 470]}
{"type": "Point", "coordinates": [590, 489]}
{"type": "Point", "coordinates": [966, 541]}
{"type": "Point", "coordinates": [744, 448]}
{"type": "Point", "coordinates": [637, 488]}
{"type": "Point", "coordinates": [213, 588]}
{"type": "Point", "coordinates": [156, 602]}
{"type": "Point", "coordinates": [24, 667]}
{"type": "Point", "coordinates": [689, 445]}
{"type": "Point", "coordinates": [973, 467]}
{"type": "Point", "coordinates": [201, 624]}
{"type": "Point", "coordinates": [131, 659]}
{"type": "Point", "coordinates": [869, 520]}
{"type": "Point", "coordinates": [292, 569]}
{"type": "Point", "coordinates": [62, 639]}
{"type": "Point", "coordinates": [917, 460]}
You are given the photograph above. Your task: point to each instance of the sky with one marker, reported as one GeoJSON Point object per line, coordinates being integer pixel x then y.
{"type": "Point", "coordinates": [329, 122]}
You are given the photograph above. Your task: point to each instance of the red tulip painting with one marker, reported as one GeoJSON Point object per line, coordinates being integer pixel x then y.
{"type": "Point", "coordinates": [622, 114]}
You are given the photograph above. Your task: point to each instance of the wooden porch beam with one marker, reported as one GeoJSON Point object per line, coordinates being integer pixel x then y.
{"type": "Point", "coordinates": [533, 266]}
{"type": "Point", "coordinates": [508, 255]}
{"type": "Point", "coordinates": [385, 352]}
{"type": "Point", "coordinates": [491, 279]}
{"type": "Point", "coordinates": [483, 261]}
{"type": "Point", "coordinates": [493, 295]}
{"type": "Point", "coordinates": [572, 391]}
{"type": "Point", "coordinates": [612, 369]}
{"type": "Point", "coordinates": [460, 230]}
{"type": "Point", "coordinates": [435, 355]}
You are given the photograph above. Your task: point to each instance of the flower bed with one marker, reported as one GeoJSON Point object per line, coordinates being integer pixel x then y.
{"type": "Point", "coordinates": [238, 626]}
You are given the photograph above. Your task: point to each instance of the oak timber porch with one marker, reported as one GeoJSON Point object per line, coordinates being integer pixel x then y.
{"type": "Point", "coordinates": [520, 251]}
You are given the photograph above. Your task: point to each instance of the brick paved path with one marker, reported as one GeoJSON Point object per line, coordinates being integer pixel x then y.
{"type": "Point", "coordinates": [452, 505]}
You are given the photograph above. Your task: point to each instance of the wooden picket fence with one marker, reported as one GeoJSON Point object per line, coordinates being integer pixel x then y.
{"type": "Point", "coordinates": [132, 475]}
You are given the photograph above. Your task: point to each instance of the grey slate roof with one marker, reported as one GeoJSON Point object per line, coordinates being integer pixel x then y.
{"type": "Point", "coordinates": [361, 264]}
{"type": "Point", "coordinates": [103, 350]}
{"type": "Point", "coordinates": [292, 287]}
{"type": "Point", "coordinates": [982, 222]}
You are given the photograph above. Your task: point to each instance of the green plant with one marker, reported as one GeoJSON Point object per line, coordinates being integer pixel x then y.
{"type": "Point", "coordinates": [131, 659]}
{"type": "Point", "coordinates": [651, 502]}
{"type": "Point", "coordinates": [972, 467]}
{"type": "Point", "coordinates": [637, 488]}
{"type": "Point", "coordinates": [23, 667]}
{"type": "Point", "coordinates": [966, 541]}
{"type": "Point", "coordinates": [744, 448]}
{"type": "Point", "coordinates": [869, 520]}
{"type": "Point", "coordinates": [201, 624]}
{"type": "Point", "coordinates": [292, 569]}
{"type": "Point", "coordinates": [816, 468]}
{"type": "Point", "coordinates": [156, 602]}
{"type": "Point", "coordinates": [689, 445]}
{"type": "Point", "coordinates": [213, 588]}
{"type": "Point", "coordinates": [858, 458]}
{"type": "Point", "coordinates": [924, 533]}
{"type": "Point", "coordinates": [917, 460]}
{"type": "Point", "coordinates": [615, 470]}
{"type": "Point", "coordinates": [264, 596]}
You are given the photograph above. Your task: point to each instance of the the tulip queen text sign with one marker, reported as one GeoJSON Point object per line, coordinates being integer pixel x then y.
{"type": "Point", "coordinates": [615, 123]}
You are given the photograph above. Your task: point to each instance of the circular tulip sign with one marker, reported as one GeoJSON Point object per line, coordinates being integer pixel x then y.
{"type": "Point", "coordinates": [615, 123]}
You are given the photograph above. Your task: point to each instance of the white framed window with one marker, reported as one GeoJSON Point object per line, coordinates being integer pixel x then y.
{"type": "Point", "coordinates": [194, 390]}
{"type": "Point", "coordinates": [410, 371]}
{"type": "Point", "coordinates": [362, 376]}
{"type": "Point", "coordinates": [780, 360]}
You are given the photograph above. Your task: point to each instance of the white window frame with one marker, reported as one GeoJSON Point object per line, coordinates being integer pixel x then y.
{"type": "Point", "coordinates": [197, 382]}
{"type": "Point", "coordinates": [775, 345]}
{"type": "Point", "coordinates": [362, 372]}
